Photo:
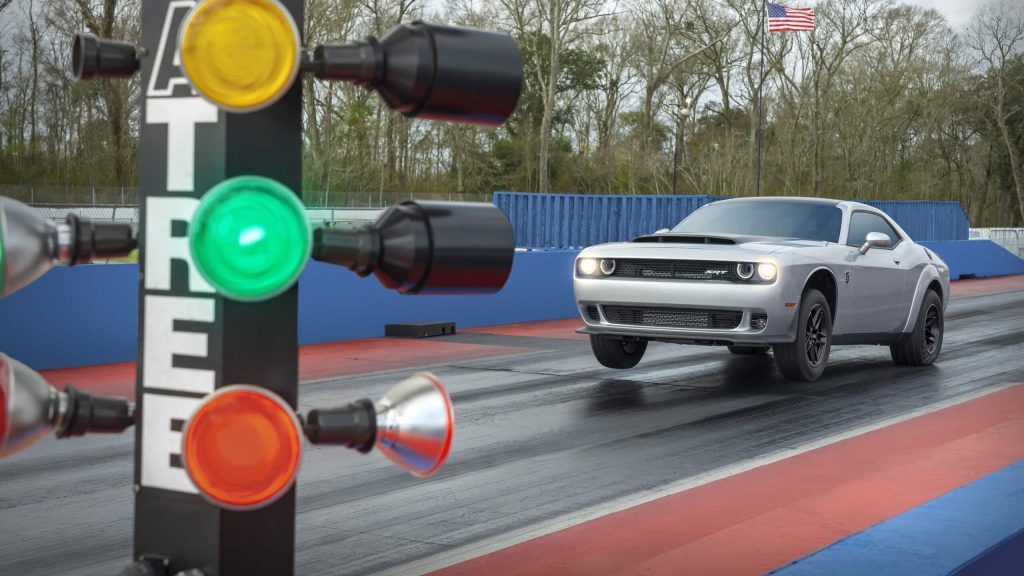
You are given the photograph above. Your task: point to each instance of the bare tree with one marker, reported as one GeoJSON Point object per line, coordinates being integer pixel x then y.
{"type": "Point", "coordinates": [996, 36]}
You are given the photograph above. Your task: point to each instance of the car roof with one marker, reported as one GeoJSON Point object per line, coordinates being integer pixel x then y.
{"type": "Point", "coordinates": [801, 199]}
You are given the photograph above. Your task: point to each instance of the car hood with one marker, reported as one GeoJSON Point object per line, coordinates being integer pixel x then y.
{"type": "Point", "coordinates": [717, 246]}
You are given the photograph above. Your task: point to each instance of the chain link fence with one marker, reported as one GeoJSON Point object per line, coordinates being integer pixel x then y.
{"type": "Point", "coordinates": [318, 216]}
{"type": "Point", "coordinates": [338, 209]}
{"type": "Point", "coordinates": [72, 195]}
{"type": "Point", "coordinates": [129, 196]}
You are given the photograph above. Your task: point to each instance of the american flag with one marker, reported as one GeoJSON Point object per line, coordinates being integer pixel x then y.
{"type": "Point", "coordinates": [782, 19]}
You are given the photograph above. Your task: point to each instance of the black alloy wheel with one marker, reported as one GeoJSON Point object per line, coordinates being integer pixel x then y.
{"type": "Point", "coordinates": [932, 330]}
{"type": "Point", "coordinates": [816, 336]}
{"type": "Point", "coordinates": [922, 345]}
{"type": "Point", "coordinates": [807, 356]}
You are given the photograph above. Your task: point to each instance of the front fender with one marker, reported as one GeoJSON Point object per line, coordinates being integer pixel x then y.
{"type": "Point", "coordinates": [928, 274]}
{"type": "Point", "coordinates": [798, 271]}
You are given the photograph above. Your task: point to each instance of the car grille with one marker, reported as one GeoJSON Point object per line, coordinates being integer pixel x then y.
{"type": "Point", "coordinates": [676, 269]}
{"type": "Point", "coordinates": [592, 313]}
{"type": "Point", "coordinates": [673, 317]}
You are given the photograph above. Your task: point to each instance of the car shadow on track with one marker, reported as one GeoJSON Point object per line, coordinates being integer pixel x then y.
{"type": "Point", "coordinates": [754, 375]}
{"type": "Point", "coordinates": [613, 395]}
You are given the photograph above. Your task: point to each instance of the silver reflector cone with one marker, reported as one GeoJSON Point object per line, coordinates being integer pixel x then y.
{"type": "Point", "coordinates": [26, 406]}
{"type": "Point", "coordinates": [415, 424]}
{"type": "Point", "coordinates": [25, 245]}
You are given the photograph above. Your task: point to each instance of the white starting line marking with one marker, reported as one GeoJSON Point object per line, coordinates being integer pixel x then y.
{"type": "Point", "coordinates": [495, 543]}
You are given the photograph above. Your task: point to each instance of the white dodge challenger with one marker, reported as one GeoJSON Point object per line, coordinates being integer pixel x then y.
{"type": "Point", "coordinates": [794, 275]}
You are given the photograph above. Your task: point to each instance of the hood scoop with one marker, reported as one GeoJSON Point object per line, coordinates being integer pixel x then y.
{"type": "Point", "coordinates": [683, 239]}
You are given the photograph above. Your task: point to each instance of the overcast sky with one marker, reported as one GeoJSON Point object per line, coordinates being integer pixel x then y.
{"type": "Point", "coordinates": [958, 12]}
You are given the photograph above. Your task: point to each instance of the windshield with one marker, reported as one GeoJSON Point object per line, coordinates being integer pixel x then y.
{"type": "Point", "coordinates": [779, 218]}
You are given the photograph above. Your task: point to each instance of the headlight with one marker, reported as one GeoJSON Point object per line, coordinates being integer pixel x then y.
{"type": "Point", "coordinates": [587, 266]}
{"type": "Point", "coordinates": [744, 270]}
{"type": "Point", "coordinates": [767, 271]}
{"type": "Point", "coordinates": [607, 267]}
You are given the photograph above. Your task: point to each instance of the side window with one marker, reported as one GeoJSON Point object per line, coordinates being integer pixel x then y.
{"type": "Point", "coordinates": [863, 222]}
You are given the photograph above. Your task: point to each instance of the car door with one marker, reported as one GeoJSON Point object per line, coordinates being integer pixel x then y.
{"type": "Point", "coordinates": [878, 279]}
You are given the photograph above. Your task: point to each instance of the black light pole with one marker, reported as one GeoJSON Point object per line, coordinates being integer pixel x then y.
{"type": "Point", "coordinates": [760, 98]}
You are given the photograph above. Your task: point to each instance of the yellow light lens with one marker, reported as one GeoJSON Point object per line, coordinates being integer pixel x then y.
{"type": "Point", "coordinates": [242, 55]}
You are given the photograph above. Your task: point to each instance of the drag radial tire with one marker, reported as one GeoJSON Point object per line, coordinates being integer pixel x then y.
{"type": "Point", "coordinates": [921, 347]}
{"type": "Point", "coordinates": [615, 352]}
{"type": "Point", "coordinates": [805, 359]}
{"type": "Point", "coordinates": [749, 349]}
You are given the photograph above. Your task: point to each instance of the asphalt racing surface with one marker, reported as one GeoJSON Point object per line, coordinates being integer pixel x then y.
{"type": "Point", "coordinates": [543, 433]}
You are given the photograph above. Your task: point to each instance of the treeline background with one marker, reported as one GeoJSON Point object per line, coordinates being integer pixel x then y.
{"type": "Point", "coordinates": [883, 101]}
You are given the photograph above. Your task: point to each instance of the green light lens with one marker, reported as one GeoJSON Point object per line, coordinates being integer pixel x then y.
{"type": "Point", "coordinates": [250, 238]}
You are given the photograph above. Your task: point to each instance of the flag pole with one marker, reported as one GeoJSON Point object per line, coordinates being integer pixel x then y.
{"type": "Point", "coordinates": [760, 105]}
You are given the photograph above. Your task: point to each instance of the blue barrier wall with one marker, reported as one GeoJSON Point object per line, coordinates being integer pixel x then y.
{"type": "Point", "coordinates": [335, 304]}
{"type": "Point", "coordinates": [76, 316]}
{"type": "Point", "coordinates": [976, 258]}
{"type": "Point", "coordinates": [925, 220]}
{"type": "Point", "coordinates": [571, 221]}
{"type": "Point", "coordinates": [89, 314]}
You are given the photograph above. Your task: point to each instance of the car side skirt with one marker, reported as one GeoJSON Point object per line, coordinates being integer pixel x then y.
{"type": "Point", "coordinates": [880, 338]}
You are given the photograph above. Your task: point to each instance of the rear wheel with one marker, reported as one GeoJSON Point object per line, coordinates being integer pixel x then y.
{"type": "Point", "coordinates": [922, 346]}
{"type": "Point", "coordinates": [806, 358]}
{"type": "Point", "coordinates": [749, 349]}
{"type": "Point", "coordinates": [616, 352]}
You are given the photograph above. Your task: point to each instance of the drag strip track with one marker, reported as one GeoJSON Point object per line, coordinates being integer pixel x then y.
{"type": "Point", "coordinates": [541, 434]}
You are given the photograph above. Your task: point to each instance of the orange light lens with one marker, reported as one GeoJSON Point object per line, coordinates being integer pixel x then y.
{"type": "Point", "coordinates": [242, 447]}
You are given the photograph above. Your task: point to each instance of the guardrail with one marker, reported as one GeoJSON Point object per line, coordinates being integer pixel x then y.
{"type": "Point", "coordinates": [1010, 238]}
{"type": "Point", "coordinates": [325, 216]}
{"type": "Point", "coordinates": [129, 196]}
{"type": "Point", "coordinates": [570, 221]}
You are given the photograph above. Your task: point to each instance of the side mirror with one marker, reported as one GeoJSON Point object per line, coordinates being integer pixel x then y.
{"type": "Point", "coordinates": [661, 231]}
{"type": "Point", "coordinates": [875, 240]}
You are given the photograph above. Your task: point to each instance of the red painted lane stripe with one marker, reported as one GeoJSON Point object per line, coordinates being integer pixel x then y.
{"type": "Point", "coordinates": [332, 360]}
{"type": "Point", "coordinates": [986, 285]}
{"type": "Point", "coordinates": [109, 379]}
{"type": "Point", "coordinates": [762, 519]}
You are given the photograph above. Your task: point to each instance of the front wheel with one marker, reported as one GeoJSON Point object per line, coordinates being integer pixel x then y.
{"type": "Point", "coordinates": [616, 352]}
{"type": "Point", "coordinates": [921, 347]}
{"type": "Point", "coordinates": [806, 358]}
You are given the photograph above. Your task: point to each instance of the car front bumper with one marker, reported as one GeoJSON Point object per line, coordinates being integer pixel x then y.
{"type": "Point", "coordinates": [749, 299]}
